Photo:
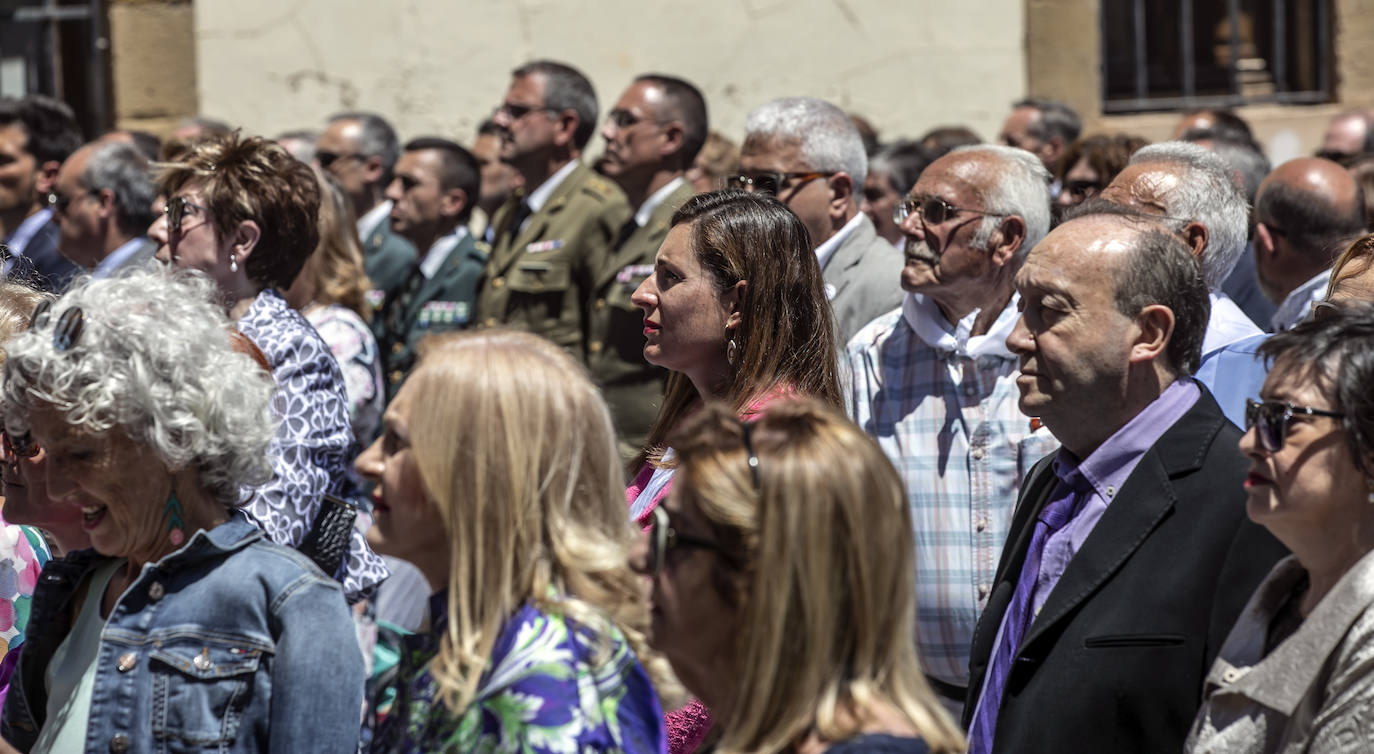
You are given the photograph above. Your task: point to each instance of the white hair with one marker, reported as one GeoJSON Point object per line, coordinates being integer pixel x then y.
{"type": "Point", "coordinates": [826, 137]}
{"type": "Point", "coordinates": [154, 360]}
{"type": "Point", "coordinates": [1206, 193]}
{"type": "Point", "coordinates": [1022, 188]}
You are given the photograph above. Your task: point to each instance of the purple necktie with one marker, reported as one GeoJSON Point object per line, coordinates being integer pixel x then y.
{"type": "Point", "coordinates": [1052, 518]}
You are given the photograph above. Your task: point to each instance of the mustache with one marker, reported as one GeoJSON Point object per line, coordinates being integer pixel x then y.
{"type": "Point", "coordinates": [919, 251]}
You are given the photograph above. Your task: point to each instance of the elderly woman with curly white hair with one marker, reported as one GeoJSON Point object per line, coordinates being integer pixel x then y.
{"type": "Point", "coordinates": [183, 628]}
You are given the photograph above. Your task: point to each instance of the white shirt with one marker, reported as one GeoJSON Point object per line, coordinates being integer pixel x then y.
{"type": "Point", "coordinates": [374, 217]}
{"type": "Point", "coordinates": [827, 249]}
{"type": "Point", "coordinates": [540, 196]}
{"type": "Point", "coordinates": [114, 259]}
{"type": "Point", "coordinates": [439, 251]}
{"type": "Point", "coordinates": [1226, 325]}
{"type": "Point", "coordinates": [658, 197]}
{"type": "Point", "coordinates": [1298, 304]}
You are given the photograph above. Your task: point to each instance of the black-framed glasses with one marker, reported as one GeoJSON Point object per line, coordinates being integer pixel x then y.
{"type": "Point", "coordinates": [623, 119]}
{"type": "Point", "coordinates": [67, 329]}
{"type": "Point", "coordinates": [932, 209]}
{"type": "Point", "coordinates": [1269, 419]}
{"type": "Point", "coordinates": [663, 538]}
{"type": "Point", "coordinates": [516, 112]}
{"type": "Point", "coordinates": [60, 202]}
{"type": "Point", "coordinates": [771, 182]}
{"type": "Point", "coordinates": [175, 210]}
{"type": "Point", "coordinates": [329, 158]}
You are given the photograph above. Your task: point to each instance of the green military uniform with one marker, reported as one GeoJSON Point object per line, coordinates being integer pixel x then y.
{"type": "Point", "coordinates": [615, 353]}
{"type": "Point", "coordinates": [540, 279]}
{"type": "Point", "coordinates": [387, 260]}
{"type": "Point", "coordinates": [428, 306]}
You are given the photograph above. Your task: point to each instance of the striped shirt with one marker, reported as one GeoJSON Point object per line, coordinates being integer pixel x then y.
{"type": "Point", "coordinates": [943, 406]}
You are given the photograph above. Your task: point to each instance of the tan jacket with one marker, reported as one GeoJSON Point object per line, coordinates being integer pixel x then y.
{"type": "Point", "coordinates": [540, 279]}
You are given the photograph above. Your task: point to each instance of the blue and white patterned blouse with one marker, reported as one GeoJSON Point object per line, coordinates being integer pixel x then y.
{"type": "Point", "coordinates": [313, 444]}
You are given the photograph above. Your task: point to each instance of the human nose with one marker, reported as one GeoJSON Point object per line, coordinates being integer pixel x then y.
{"type": "Point", "coordinates": [501, 116]}
{"type": "Point", "coordinates": [639, 554]}
{"type": "Point", "coordinates": [393, 190]}
{"type": "Point", "coordinates": [912, 225]}
{"type": "Point", "coordinates": [1020, 341]}
{"type": "Point", "coordinates": [158, 230]}
{"type": "Point", "coordinates": [59, 486]}
{"type": "Point", "coordinates": [369, 463]}
{"type": "Point", "coordinates": [646, 295]}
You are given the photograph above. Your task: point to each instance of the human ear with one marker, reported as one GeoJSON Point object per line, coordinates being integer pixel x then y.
{"type": "Point", "coordinates": [245, 239]}
{"type": "Point", "coordinates": [841, 194]}
{"type": "Point", "coordinates": [1155, 328]}
{"type": "Point", "coordinates": [732, 299]}
{"type": "Point", "coordinates": [1195, 235]}
{"type": "Point", "coordinates": [1007, 240]}
{"type": "Point", "coordinates": [452, 202]}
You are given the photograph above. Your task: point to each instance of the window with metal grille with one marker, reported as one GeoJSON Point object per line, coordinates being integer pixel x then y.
{"type": "Point", "coordinates": [1181, 54]}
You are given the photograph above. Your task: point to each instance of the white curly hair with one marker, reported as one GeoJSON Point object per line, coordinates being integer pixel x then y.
{"type": "Point", "coordinates": [153, 360]}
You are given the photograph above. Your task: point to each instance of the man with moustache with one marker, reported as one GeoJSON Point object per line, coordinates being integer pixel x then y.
{"type": "Point", "coordinates": [1130, 554]}
{"type": "Point", "coordinates": [653, 135]}
{"type": "Point", "coordinates": [499, 180]}
{"type": "Point", "coordinates": [934, 384]}
{"type": "Point", "coordinates": [552, 237]}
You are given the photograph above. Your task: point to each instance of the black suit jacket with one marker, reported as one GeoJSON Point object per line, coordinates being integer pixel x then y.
{"type": "Point", "coordinates": [52, 271]}
{"type": "Point", "coordinates": [1116, 659]}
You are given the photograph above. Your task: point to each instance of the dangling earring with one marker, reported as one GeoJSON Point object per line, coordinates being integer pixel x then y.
{"type": "Point", "coordinates": [731, 351]}
{"type": "Point", "coordinates": [175, 528]}
{"type": "Point", "coordinates": [233, 262]}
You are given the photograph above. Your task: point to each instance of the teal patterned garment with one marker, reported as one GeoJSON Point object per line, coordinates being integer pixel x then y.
{"type": "Point", "coordinates": [541, 693]}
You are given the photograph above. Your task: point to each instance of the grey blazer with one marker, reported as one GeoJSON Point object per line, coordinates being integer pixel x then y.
{"type": "Point", "coordinates": [864, 274]}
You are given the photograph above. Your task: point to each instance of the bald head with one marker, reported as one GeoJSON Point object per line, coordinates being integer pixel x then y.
{"type": "Point", "coordinates": [1306, 211]}
{"type": "Point", "coordinates": [1349, 134]}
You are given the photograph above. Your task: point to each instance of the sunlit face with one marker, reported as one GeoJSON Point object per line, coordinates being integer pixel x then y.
{"type": "Point", "coordinates": [692, 624]}
{"type": "Point", "coordinates": [27, 502]}
{"type": "Point", "coordinates": [407, 525]}
{"type": "Point", "coordinates": [196, 246]}
{"type": "Point", "coordinates": [1073, 343]}
{"type": "Point", "coordinates": [941, 259]}
{"type": "Point", "coordinates": [417, 198]}
{"type": "Point", "coordinates": [1312, 482]}
{"type": "Point", "coordinates": [338, 146]}
{"type": "Point", "coordinates": [1081, 182]}
{"type": "Point", "coordinates": [636, 147]}
{"type": "Point", "coordinates": [1016, 130]}
{"type": "Point", "coordinates": [121, 486]}
{"type": "Point", "coordinates": [529, 130]}
{"type": "Point", "coordinates": [809, 199]}
{"type": "Point", "coordinates": [878, 202]}
{"type": "Point", "coordinates": [18, 169]}
{"type": "Point", "coordinates": [685, 312]}
{"type": "Point", "coordinates": [498, 178]}
{"type": "Point", "coordinates": [81, 222]}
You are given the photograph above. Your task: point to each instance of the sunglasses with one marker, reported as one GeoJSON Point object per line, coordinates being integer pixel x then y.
{"type": "Point", "coordinates": [623, 119]}
{"type": "Point", "coordinates": [176, 210]}
{"type": "Point", "coordinates": [933, 210]}
{"type": "Point", "coordinates": [329, 158]}
{"type": "Point", "coordinates": [1269, 419]}
{"type": "Point", "coordinates": [68, 327]}
{"type": "Point", "coordinates": [663, 538]}
{"type": "Point", "coordinates": [60, 202]}
{"type": "Point", "coordinates": [770, 183]}
{"type": "Point", "coordinates": [516, 112]}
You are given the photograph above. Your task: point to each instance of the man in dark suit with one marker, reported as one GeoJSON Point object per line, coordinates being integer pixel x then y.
{"type": "Point", "coordinates": [360, 150]}
{"type": "Point", "coordinates": [432, 196]}
{"type": "Point", "coordinates": [553, 236]}
{"type": "Point", "coordinates": [808, 154]}
{"type": "Point", "coordinates": [104, 205]}
{"type": "Point", "coordinates": [36, 134]}
{"type": "Point", "coordinates": [1130, 555]}
{"type": "Point", "coordinates": [653, 135]}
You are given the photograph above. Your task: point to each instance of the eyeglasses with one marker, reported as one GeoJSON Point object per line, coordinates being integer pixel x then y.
{"type": "Point", "coordinates": [932, 209]}
{"type": "Point", "coordinates": [329, 158]}
{"type": "Point", "coordinates": [516, 112]}
{"type": "Point", "coordinates": [1269, 419]}
{"type": "Point", "coordinates": [60, 202]}
{"type": "Point", "coordinates": [176, 211]}
{"type": "Point", "coordinates": [663, 538]}
{"type": "Point", "coordinates": [623, 119]}
{"type": "Point", "coordinates": [18, 447]}
{"type": "Point", "coordinates": [770, 183]}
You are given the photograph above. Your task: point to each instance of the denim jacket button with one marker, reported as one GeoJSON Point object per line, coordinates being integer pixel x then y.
{"type": "Point", "coordinates": [127, 661]}
{"type": "Point", "coordinates": [119, 743]}
{"type": "Point", "coordinates": [156, 591]}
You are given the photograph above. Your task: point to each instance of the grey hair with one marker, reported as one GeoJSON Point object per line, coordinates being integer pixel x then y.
{"type": "Point", "coordinates": [154, 361]}
{"type": "Point", "coordinates": [1207, 194]}
{"type": "Point", "coordinates": [1022, 188]}
{"type": "Point", "coordinates": [566, 88]}
{"type": "Point", "coordinates": [1056, 119]}
{"type": "Point", "coordinates": [826, 137]}
{"type": "Point", "coordinates": [376, 138]}
{"type": "Point", "coordinates": [124, 170]}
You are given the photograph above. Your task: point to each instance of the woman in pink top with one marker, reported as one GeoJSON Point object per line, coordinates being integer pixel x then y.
{"type": "Point", "coordinates": [736, 310]}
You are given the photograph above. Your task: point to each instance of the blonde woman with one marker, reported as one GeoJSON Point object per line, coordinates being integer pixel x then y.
{"type": "Point", "coordinates": [498, 477]}
{"type": "Point", "coordinates": [331, 291]}
{"type": "Point", "coordinates": [782, 572]}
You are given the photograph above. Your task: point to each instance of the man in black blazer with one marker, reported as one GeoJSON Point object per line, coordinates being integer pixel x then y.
{"type": "Point", "coordinates": [1130, 554]}
{"type": "Point", "coordinates": [36, 134]}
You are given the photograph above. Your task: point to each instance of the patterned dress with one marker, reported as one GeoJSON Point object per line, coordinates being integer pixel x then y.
{"type": "Point", "coordinates": [22, 555]}
{"type": "Point", "coordinates": [314, 440]}
{"type": "Point", "coordinates": [355, 349]}
{"type": "Point", "coordinates": [544, 691]}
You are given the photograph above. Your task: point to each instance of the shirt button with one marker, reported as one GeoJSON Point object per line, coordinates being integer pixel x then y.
{"type": "Point", "coordinates": [397, 347]}
{"type": "Point", "coordinates": [970, 389]}
{"type": "Point", "coordinates": [156, 591]}
{"type": "Point", "coordinates": [498, 282]}
{"type": "Point", "coordinates": [978, 454]}
{"type": "Point", "coordinates": [600, 304]}
{"type": "Point", "coordinates": [981, 524]}
{"type": "Point", "coordinates": [119, 743]}
{"type": "Point", "coordinates": [127, 661]}
{"type": "Point", "coordinates": [982, 591]}
{"type": "Point", "coordinates": [395, 376]}
{"type": "Point", "coordinates": [1231, 675]}
{"type": "Point", "coordinates": [1111, 491]}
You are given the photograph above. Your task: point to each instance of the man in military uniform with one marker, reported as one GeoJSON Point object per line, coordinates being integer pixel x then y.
{"type": "Point", "coordinates": [360, 151]}
{"type": "Point", "coordinates": [552, 238]}
{"type": "Point", "coordinates": [432, 196]}
{"type": "Point", "coordinates": [653, 135]}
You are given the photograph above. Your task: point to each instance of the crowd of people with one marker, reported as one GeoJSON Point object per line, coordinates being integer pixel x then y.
{"type": "Point", "coordinates": [799, 442]}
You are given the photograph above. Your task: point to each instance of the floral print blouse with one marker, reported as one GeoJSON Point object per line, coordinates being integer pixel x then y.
{"type": "Point", "coordinates": [544, 691]}
{"type": "Point", "coordinates": [23, 554]}
{"type": "Point", "coordinates": [355, 349]}
{"type": "Point", "coordinates": [313, 446]}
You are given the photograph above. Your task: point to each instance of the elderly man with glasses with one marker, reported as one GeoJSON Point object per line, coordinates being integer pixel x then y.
{"type": "Point", "coordinates": [934, 383]}
{"type": "Point", "coordinates": [552, 237]}
{"type": "Point", "coordinates": [808, 154]}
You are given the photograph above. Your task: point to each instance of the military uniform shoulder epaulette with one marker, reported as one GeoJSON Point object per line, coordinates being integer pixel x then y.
{"type": "Point", "coordinates": [601, 188]}
{"type": "Point", "coordinates": [483, 247]}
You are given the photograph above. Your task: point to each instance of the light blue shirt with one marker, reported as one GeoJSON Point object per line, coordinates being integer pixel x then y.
{"type": "Point", "coordinates": [116, 259]}
{"type": "Point", "coordinates": [1233, 373]}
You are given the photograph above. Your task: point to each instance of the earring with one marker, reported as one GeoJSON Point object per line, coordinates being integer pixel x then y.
{"type": "Point", "coordinates": [233, 262]}
{"type": "Point", "coordinates": [731, 351]}
{"type": "Point", "coordinates": [175, 528]}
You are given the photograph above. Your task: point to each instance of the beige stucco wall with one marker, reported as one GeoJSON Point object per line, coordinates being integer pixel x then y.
{"type": "Point", "coordinates": [439, 66]}
{"type": "Point", "coordinates": [152, 62]}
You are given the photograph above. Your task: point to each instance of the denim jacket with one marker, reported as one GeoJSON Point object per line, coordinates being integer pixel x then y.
{"type": "Point", "coordinates": [231, 644]}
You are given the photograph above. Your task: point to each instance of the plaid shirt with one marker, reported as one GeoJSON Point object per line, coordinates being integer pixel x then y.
{"type": "Point", "coordinates": [943, 406]}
